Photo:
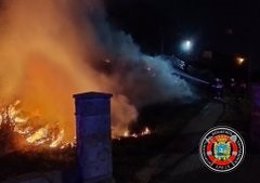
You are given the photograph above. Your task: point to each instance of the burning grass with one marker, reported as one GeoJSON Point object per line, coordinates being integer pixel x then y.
{"type": "Point", "coordinates": [145, 132]}
{"type": "Point", "coordinates": [20, 131]}
{"type": "Point", "coordinates": [38, 146]}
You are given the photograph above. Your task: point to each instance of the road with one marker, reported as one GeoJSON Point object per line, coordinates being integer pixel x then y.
{"type": "Point", "coordinates": [180, 162]}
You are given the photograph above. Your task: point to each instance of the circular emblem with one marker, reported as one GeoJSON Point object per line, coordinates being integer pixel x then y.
{"type": "Point", "coordinates": [222, 149]}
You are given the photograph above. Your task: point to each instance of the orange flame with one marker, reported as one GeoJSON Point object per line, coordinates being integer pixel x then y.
{"type": "Point", "coordinates": [146, 131]}
{"type": "Point", "coordinates": [46, 51]}
{"type": "Point", "coordinates": [30, 134]}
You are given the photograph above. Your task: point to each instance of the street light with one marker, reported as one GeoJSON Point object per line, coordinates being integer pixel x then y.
{"type": "Point", "coordinates": [187, 45]}
{"type": "Point", "coordinates": [240, 60]}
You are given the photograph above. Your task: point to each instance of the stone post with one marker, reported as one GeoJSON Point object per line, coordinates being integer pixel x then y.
{"type": "Point", "coordinates": [93, 137]}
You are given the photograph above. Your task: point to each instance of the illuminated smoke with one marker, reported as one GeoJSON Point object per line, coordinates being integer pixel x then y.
{"type": "Point", "coordinates": [144, 79]}
{"type": "Point", "coordinates": [50, 50]}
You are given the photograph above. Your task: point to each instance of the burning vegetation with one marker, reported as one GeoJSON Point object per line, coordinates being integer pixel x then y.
{"type": "Point", "coordinates": [54, 55]}
{"type": "Point", "coordinates": [21, 131]}
{"type": "Point", "coordinates": [145, 132]}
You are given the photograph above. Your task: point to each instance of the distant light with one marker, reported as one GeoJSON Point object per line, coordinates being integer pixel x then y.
{"type": "Point", "coordinates": [107, 61]}
{"type": "Point", "coordinates": [240, 60]}
{"type": "Point", "coordinates": [187, 45]}
{"type": "Point", "coordinates": [148, 69]}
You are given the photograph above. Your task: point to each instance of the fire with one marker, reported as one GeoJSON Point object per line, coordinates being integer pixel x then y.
{"type": "Point", "coordinates": [26, 134]}
{"type": "Point", "coordinates": [30, 135]}
{"type": "Point", "coordinates": [146, 131]}
{"type": "Point", "coordinates": [45, 59]}
{"type": "Point", "coordinates": [51, 49]}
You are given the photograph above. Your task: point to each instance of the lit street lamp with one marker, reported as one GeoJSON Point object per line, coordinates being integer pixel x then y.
{"type": "Point", "coordinates": [187, 45]}
{"type": "Point", "coordinates": [240, 60]}
{"type": "Point", "coordinates": [186, 48]}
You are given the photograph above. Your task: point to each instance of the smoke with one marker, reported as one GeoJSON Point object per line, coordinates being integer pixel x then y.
{"type": "Point", "coordinates": [144, 79]}
{"type": "Point", "coordinates": [51, 49]}
{"type": "Point", "coordinates": [139, 79]}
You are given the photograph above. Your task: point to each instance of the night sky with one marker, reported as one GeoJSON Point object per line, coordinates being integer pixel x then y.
{"type": "Point", "coordinates": [226, 26]}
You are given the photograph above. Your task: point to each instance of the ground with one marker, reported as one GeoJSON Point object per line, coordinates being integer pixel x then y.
{"type": "Point", "coordinates": [178, 159]}
{"type": "Point", "coordinates": [170, 154]}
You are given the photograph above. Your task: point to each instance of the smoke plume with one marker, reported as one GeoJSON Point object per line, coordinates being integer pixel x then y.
{"type": "Point", "coordinates": [51, 49]}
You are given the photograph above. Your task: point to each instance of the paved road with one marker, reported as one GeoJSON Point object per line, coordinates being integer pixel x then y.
{"type": "Point", "coordinates": [181, 156]}
{"type": "Point", "coordinates": [180, 163]}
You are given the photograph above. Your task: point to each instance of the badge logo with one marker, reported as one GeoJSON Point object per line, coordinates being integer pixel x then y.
{"type": "Point", "coordinates": [222, 149]}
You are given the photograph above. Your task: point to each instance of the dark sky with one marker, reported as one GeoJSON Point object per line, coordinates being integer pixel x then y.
{"type": "Point", "coordinates": [227, 26]}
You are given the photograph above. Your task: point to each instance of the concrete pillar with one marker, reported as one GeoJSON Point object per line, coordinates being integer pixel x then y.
{"type": "Point", "coordinates": [93, 137]}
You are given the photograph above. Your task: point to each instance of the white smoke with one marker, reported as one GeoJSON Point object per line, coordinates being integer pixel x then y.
{"type": "Point", "coordinates": [144, 79]}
